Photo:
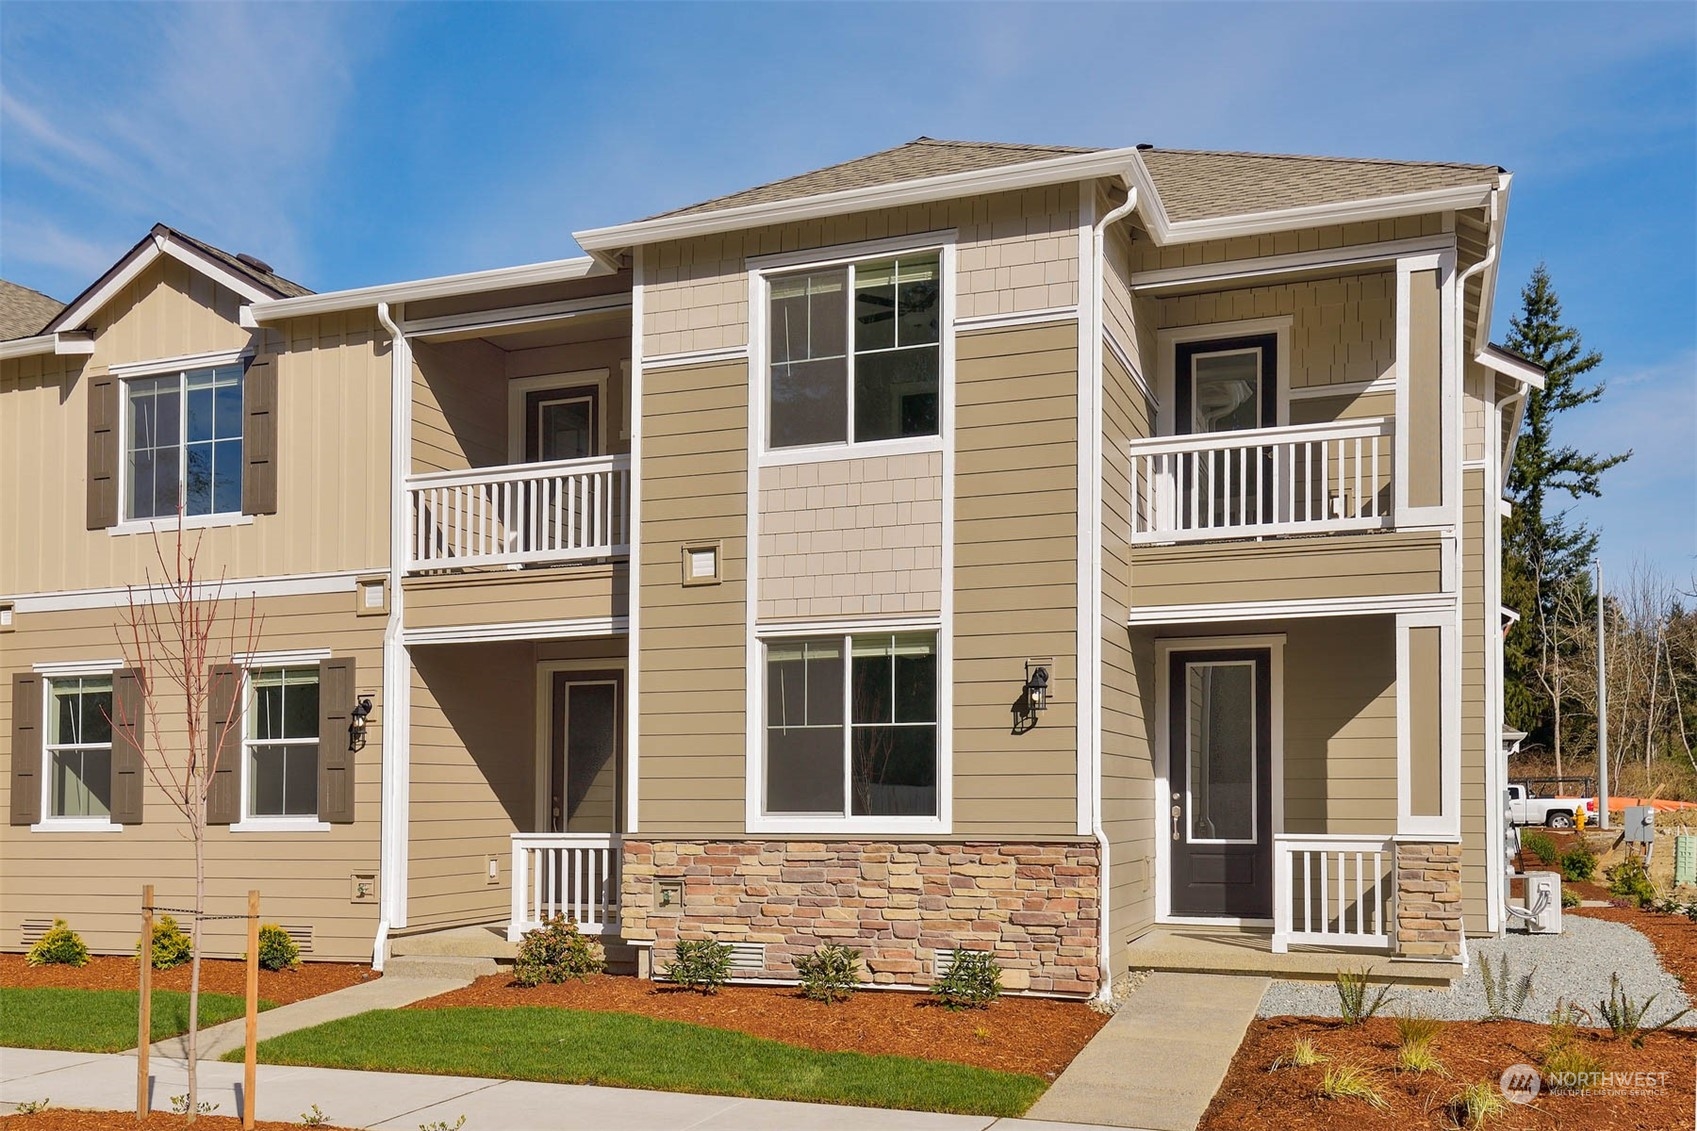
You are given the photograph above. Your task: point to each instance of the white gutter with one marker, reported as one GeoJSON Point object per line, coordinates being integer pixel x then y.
{"type": "Point", "coordinates": [1092, 640]}
{"type": "Point", "coordinates": [27, 347]}
{"type": "Point", "coordinates": [397, 691]}
{"type": "Point", "coordinates": [417, 290]}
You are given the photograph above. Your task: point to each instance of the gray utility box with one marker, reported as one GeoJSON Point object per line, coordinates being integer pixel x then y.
{"type": "Point", "coordinates": [1640, 824]}
{"type": "Point", "coordinates": [1542, 903]}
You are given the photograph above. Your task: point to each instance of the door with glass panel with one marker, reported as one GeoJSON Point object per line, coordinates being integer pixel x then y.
{"type": "Point", "coordinates": [559, 424]}
{"type": "Point", "coordinates": [585, 736]}
{"type": "Point", "coordinates": [1226, 385]}
{"type": "Point", "coordinates": [1219, 724]}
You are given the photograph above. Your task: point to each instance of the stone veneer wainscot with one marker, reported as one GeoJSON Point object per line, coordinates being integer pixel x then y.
{"type": "Point", "coordinates": [1035, 905]}
{"type": "Point", "coordinates": [1428, 900]}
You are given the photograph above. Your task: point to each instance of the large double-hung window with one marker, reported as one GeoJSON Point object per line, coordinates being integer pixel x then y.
{"type": "Point", "coordinates": [79, 747]}
{"type": "Point", "coordinates": [851, 726]}
{"type": "Point", "coordinates": [281, 741]}
{"type": "Point", "coordinates": [855, 352]}
{"type": "Point", "coordinates": [183, 440]}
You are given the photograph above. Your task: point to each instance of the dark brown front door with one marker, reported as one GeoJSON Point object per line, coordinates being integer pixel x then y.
{"type": "Point", "coordinates": [562, 423]}
{"type": "Point", "coordinates": [1220, 770]}
{"type": "Point", "coordinates": [585, 790]}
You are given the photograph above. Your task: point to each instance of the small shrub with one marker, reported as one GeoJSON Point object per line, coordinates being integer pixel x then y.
{"type": "Point", "coordinates": [1419, 1059]}
{"type": "Point", "coordinates": [1302, 1054]}
{"type": "Point", "coordinates": [442, 1125]}
{"type": "Point", "coordinates": [32, 1107]}
{"type": "Point", "coordinates": [277, 951]}
{"type": "Point", "coordinates": [973, 982]}
{"type": "Point", "coordinates": [556, 951]}
{"type": "Point", "coordinates": [1477, 1104]}
{"type": "Point", "coordinates": [1579, 862]}
{"type": "Point", "coordinates": [1505, 995]}
{"type": "Point", "coordinates": [1355, 1005]}
{"type": "Point", "coordinates": [1628, 880]}
{"type": "Point", "coordinates": [1414, 1044]}
{"type": "Point", "coordinates": [1626, 1017]}
{"type": "Point", "coordinates": [1571, 1064]}
{"type": "Point", "coordinates": [1540, 844]}
{"type": "Point", "coordinates": [171, 947]}
{"type": "Point", "coordinates": [702, 965]}
{"type": "Point", "coordinates": [1691, 911]}
{"type": "Point", "coordinates": [1351, 1081]}
{"type": "Point", "coordinates": [180, 1104]}
{"type": "Point", "coordinates": [830, 973]}
{"type": "Point", "coordinates": [1667, 905]}
{"type": "Point", "coordinates": [60, 946]}
{"type": "Point", "coordinates": [314, 1118]}
{"type": "Point", "coordinates": [1569, 897]}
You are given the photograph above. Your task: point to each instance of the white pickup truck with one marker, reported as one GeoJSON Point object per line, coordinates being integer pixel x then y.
{"type": "Point", "coordinates": [1554, 812]}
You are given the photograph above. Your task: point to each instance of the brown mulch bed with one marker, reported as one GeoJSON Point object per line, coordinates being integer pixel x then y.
{"type": "Point", "coordinates": [1255, 1098]}
{"type": "Point", "coordinates": [1673, 936]}
{"type": "Point", "coordinates": [66, 1119]}
{"type": "Point", "coordinates": [220, 976]}
{"type": "Point", "coordinates": [1036, 1036]}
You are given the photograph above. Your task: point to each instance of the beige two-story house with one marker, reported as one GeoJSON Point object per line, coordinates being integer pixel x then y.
{"type": "Point", "coordinates": [969, 546]}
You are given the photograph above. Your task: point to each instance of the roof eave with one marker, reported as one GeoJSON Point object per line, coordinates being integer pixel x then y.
{"type": "Point", "coordinates": [1499, 360]}
{"type": "Point", "coordinates": [161, 241]}
{"type": "Point", "coordinates": [441, 286]}
{"type": "Point", "coordinates": [1004, 178]}
{"type": "Point", "coordinates": [1165, 231]}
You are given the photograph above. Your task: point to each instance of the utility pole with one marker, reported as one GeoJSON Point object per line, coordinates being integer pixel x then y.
{"type": "Point", "coordinates": [1602, 713]}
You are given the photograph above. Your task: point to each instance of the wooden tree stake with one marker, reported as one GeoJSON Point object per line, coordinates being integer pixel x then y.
{"type": "Point", "coordinates": [144, 1020]}
{"type": "Point", "coordinates": [250, 1062]}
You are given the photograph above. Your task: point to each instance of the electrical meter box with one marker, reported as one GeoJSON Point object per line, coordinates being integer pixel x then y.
{"type": "Point", "coordinates": [1685, 859]}
{"type": "Point", "coordinates": [1640, 824]}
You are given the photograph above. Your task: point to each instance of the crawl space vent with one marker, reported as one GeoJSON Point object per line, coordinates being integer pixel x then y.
{"type": "Point", "coordinates": [301, 934]}
{"type": "Point", "coordinates": [748, 956]}
{"type": "Point", "coordinates": [945, 961]}
{"type": "Point", "coordinates": [31, 930]}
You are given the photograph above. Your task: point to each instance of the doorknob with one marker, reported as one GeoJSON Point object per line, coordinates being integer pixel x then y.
{"type": "Point", "coordinates": [1176, 812]}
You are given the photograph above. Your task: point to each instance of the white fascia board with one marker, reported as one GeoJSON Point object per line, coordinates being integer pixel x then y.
{"type": "Point", "coordinates": [73, 343]}
{"type": "Point", "coordinates": [139, 260]}
{"type": "Point", "coordinates": [1006, 178]}
{"type": "Point", "coordinates": [1488, 280]}
{"type": "Point", "coordinates": [1514, 368]}
{"type": "Point", "coordinates": [28, 347]}
{"type": "Point", "coordinates": [1313, 215]}
{"type": "Point", "coordinates": [1350, 256]}
{"type": "Point", "coordinates": [442, 286]}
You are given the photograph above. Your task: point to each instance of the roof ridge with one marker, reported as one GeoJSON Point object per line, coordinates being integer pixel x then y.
{"type": "Point", "coordinates": [1323, 157]}
{"type": "Point", "coordinates": [964, 143]}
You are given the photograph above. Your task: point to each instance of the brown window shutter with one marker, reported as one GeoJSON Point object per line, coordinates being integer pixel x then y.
{"type": "Point", "coordinates": [26, 748]}
{"type": "Point", "coordinates": [129, 713]}
{"type": "Point", "coordinates": [259, 436]}
{"type": "Point", "coordinates": [103, 451]}
{"type": "Point", "coordinates": [224, 743]}
{"type": "Point", "coordinates": [335, 761]}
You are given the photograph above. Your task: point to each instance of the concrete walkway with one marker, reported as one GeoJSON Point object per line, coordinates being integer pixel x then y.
{"type": "Point", "coordinates": [400, 1102]}
{"type": "Point", "coordinates": [1158, 1063]}
{"type": "Point", "coordinates": [384, 993]}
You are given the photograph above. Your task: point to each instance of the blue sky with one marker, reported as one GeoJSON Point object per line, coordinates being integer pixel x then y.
{"type": "Point", "coordinates": [352, 144]}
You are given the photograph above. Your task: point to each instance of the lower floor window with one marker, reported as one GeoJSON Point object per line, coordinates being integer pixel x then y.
{"type": "Point", "coordinates": [851, 726]}
{"type": "Point", "coordinates": [281, 743]}
{"type": "Point", "coordinates": [79, 747]}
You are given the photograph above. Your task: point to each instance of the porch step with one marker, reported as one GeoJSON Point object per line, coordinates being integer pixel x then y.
{"type": "Point", "coordinates": [1226, 950]}
{"type": "Point", "coordinates": [422, 966]}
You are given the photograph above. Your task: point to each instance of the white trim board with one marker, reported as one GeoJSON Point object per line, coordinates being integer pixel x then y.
{"type": "Point", "coordinates": [1344, 389]}
{"type": "Point", "coordinates": [1295, 609]}
{"type": "Point", "coordinates": [1334, 259]}
{"type": "Point", "coordinates": [514, 317]}
{"type": "Point", "coordinates": [137, 260]}
{"type": "Point", "coordinates": [518, 630]}
{"type": "Point", "coordinates": [441, 286]}
{"type": "Point", "coordinates": [1448, 823]}
{"type": "Point", "coordinates": [165, 365]}
{"type": "Point", "coordinates": [280, 659]}
{"type": "Point", "coordinates": [65, 669]}
{"type": "Point", "coordinates": [1015, 318]}
{"type": "Point", "coordinates": [690, 358]}
{"type": "Point", "coordinates": [292, 585]}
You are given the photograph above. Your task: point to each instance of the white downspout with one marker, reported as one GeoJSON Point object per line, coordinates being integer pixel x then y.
{"type": "Point", "coordinates": [1104, 957]}
{"type": "Point", "coordinates": [397, 697]}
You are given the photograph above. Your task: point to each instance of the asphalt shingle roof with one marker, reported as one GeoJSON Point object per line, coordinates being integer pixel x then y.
{"type": "Point", "coordinates": [24, 312]}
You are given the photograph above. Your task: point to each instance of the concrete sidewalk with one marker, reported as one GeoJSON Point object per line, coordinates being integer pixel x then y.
{"type": "Point", "coordinates": [1161, 1058]}
{"type": "Point", "coordinates": [384, 993]}
{"type": "Point", "coordinates": [400, 1102]}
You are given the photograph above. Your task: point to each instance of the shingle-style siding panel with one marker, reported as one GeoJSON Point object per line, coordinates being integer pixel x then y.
{"type": "Point", "coordinates": [94, 880]}
{"type": "Point", "coordinates": [1017, 251]}
{"type": "Point", "coordinates": [852, 537]}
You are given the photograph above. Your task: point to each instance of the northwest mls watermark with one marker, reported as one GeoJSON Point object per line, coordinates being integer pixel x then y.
{"type": "Point", "coordinates": [1522, 1083]}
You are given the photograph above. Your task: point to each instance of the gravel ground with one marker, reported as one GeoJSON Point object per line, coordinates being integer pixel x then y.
{"type": "Point", "coordinates": [1574, 965]}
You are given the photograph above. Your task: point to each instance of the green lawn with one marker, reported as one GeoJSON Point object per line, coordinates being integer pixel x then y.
{"type": "Point", "coordinates": [101, 1020]}
{"type": "Point", "coordinates": [567, 1046]}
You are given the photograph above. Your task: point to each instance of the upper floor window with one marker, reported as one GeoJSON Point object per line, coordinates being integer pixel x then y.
{"type": "Point", "coordinates": [855, 352]}
{"type": "Point", "coordinates": [183, 441]}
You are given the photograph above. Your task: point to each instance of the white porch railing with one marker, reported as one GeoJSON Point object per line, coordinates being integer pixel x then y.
{"type": "Point", "coordinates": [1305, 479]}
{"type": "Point", "coordinates": [1336, 891]}
{"type": "Point", "coordinates": [568, 510]}
{"type": "Point", "coordinates": [570, 874]}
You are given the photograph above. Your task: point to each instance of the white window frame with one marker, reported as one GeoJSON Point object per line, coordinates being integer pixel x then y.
{"type": "Point", "coordinates": [942, 243]}
{"type": "Point", "coordinates": [165, 367]}
{"type": "Point", "coordinates": [50, 673]}
{"type": "Point", "coordinates": [1445, 827]}
{"type": "Point", "coordinates": [1166, 369]}
{"type": "Point", "coordinates": [759, 821]}
{"type": "Point", "coordinates": [521, 387]}
{"type": "Point", "coordinates": [1254, 759]}
{"type": "Point", "coordinates": [250, 822]}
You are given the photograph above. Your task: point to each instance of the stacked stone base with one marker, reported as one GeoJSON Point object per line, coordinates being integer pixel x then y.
{"type": "Point", "coordinates": [1035, 906]}
{"type": "Point", "coordinates": [1428, 900]}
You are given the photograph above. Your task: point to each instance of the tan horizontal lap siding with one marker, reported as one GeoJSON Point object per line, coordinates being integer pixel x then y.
{"type": "Point", "coordinates": [592, 592]}
{"type": "Point", "coordinates": [1015, 479]}
{"type": "Point", "coordinates": [1293, 569]}
{"type": "Point", "coordinates": [94, 880]}
{"type": "Point", "coordinates": [691, 639]}
{"type": "Point", "coordinates": [1477, 743]}
{"type": "Point", "coordinates": [332, 447]}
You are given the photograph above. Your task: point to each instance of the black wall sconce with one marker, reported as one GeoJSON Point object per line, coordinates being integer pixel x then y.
{"type": "Point", "coordinates": [356, 727]}
{"type": "Point", "coordinates": [1033, 695]}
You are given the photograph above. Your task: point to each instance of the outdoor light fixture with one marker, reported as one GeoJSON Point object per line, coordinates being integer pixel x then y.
{"type": "Point", "coordinates": [1036, 689]}
{"type": "Point", "coordinates": [356, 728]}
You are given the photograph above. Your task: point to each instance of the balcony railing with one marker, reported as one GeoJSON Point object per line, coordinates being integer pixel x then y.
{"type": "Point", "coordinates": [524, 514]}
{"type": "Point", "coordinates": [1305, 479]}
{"type": "Point", "coordinates": [570, 874]}
{"type": "Point", "coordinates": [1334, 891]}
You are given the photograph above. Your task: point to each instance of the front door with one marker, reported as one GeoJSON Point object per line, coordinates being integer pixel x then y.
{"type": "Point", "coordinates": [587, 735]}
{"type": "Point", "coordinates": [1230, 385]}
{"type": "Point", "coordinates": [1221, 789]}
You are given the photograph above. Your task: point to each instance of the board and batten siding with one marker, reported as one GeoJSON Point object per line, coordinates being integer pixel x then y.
{"type": "Point", "coordinates": [691, 656]}
{"type": "Point", "coordinates": [1388, 564]}
{"type": "Point", "coordinates": [332, 449]}
{"type": "Point", "coordinates": [1015, 578]}
{"type": "Point", "coordinates": [94, 880]}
